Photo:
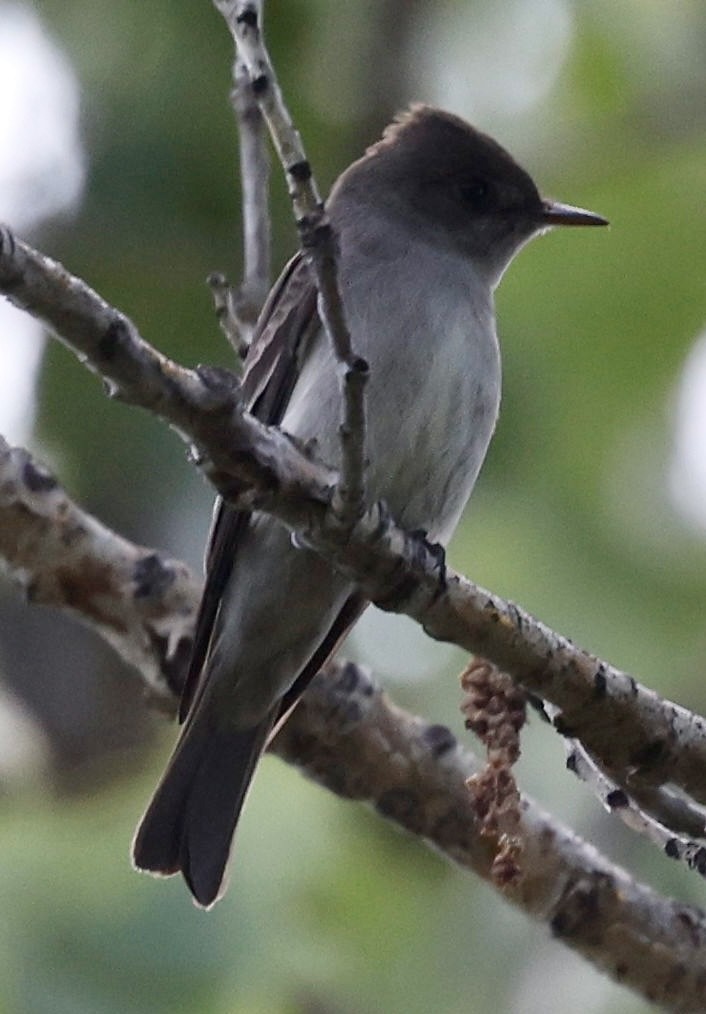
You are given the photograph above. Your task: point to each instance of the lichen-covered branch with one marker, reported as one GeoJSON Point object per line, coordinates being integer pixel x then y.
{"type": "Point", "coordinates": [351, 738]}
{"type": "Point", "coordinates": [139, 600]}
{"type": "Point", "coordinates": [348, 736]}
{"type": "Point", "coordinates": [626, 726]}
{"type": "Point", "coordinates": [202, 405]}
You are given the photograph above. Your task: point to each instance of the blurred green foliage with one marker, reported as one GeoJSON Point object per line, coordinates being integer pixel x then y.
{"type": "Point", "coordinates": [329, 910]}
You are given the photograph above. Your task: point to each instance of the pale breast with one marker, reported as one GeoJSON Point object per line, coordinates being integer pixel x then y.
{"type": "Point", "coordinates": [426, 326]}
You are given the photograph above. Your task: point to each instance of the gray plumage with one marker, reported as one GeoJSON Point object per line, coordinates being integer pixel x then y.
{"type": "Point", "coordinates": [427, 221]}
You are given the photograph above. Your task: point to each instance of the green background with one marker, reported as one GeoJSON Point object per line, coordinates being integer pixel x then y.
{"type": "Point", "coordinates": [329, 910]}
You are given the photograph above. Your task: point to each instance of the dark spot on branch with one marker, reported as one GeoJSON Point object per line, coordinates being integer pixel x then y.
{"type": "Point", "coordinates": [349, 678]}
{"type": "Point", "coordinates": [649, 755]}
{"type": "Point", "coordinates": [698, 861]}
{"type": "Point", "coordinates": [671, 849]}
{"type": "Point", "coordinates": [218, 378]}
{"type": "Point", "coordinates": [439, 739]}
{"type": "Point", "coordinates": [617, 799]}
{"type": "Point", "coordinates": [360, 365]}
{"type": "Point", "coordinates": [12, 269]}
{"type": "Point", "coordinates": [248, 16]}
{"type": "Point", "coordinates": [563, 727]}
{"type": "Point", "coordinates": [347, 706]}
{"type": "Point", "coordinates": [450, 831]}
{"type": "Point", "coordinates": [398, 593]}
{"type": "Point", "coordinates": [402, 806]}
{"type": "Point", "coordinates": [87, 587]}
{"type": "Point", "coordinates": [151, 577]}
{"type": "Point", "coordinates": [572, 762]}
{"type": "Point", "coordinates": [8, 245]}
{"type": "Point", "coordinates": [37, 479]}
{"type": "Point", "coordinates": [537, 704]}
{"type": "Point", "coordinates": [491, 612]}
{"type": "Point", "coordinates": [368, 688]}
{"type": "Point", "coordinates": [559, 925]}
{"type": "Point", "coordinates": [600, 682]}
{"type": "Point", "coordinates": [692, 922]}
{"type": "Point", "coordinates": [516, 615]}
{"type": "Point", "coordinates": [335, 776]}
{"type": "Point", "coordinates": [348, 716]}
{"type": "Point", "coordinates": [113, 338]}
{"type": "Point", "coordinates": [260, 84]}
{"type": "Point", "coordinates": [579, 908]}
{"type": "Point", "coordinates": [439, 554]}
{"type": "Point", "coordinates": [300, 171]}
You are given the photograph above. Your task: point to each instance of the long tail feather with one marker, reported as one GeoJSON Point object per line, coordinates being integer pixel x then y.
{"type": "Point", "coordinates": [189, 825]}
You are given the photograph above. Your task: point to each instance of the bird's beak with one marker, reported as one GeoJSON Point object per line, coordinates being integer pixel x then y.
{"type": "Point", "coordinates": [554, 213]}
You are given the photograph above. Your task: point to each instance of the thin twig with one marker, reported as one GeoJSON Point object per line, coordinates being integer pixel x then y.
{"type": "Point", "coordinates": [670, 807]}
{"type": "Point", "coordinates": [255, 184]}
{"type": "Point", "coordinates": [226, 304]}
{"type": "Point", "coordinates": [244, 19]}
{"type": "Point", "coordinates": [239, 307]}
{"type": "Point", "coordinates": [617, 801]}
{"type": "Point", "coordinates": [670, 821]}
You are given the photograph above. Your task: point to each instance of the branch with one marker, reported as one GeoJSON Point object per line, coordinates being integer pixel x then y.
{"type": "Point", "coordinates": [669, 820]}
{"type": "Point", "coordinates": [244, 19]}
{"type": "Point", "coordinates": [202, 405]}
{"type": "Point", "coordinates": [238, 308]}
{"type": "Point", "coordinates": [351, 738]}
{"type": "Point", "coordinates": [255, 174]}
{"type": "Point", "coordinates": [624, 725]}
{"type": "Point", "coordinates": [656, 815]}
{"type": "Point", "coordinates": [345, 732]}
{"type": "Point", "coordinates": [140, 601]}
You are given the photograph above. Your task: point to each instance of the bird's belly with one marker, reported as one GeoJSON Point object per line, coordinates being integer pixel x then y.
{"type": "Point", "coordinates": [431, 403]}
{"type": "Point", "coordinates": [426, 465]}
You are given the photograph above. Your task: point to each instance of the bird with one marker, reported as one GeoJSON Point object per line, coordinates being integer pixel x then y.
{"type": "Point", "coordinates": [426, 222]}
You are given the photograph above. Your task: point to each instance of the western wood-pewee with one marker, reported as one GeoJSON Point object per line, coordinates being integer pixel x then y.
{"type": "Point", "coordinates": [426, 222]}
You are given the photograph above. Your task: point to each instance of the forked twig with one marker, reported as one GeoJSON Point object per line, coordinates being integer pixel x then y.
{"type": "Point", "coordinates": [244, 19]}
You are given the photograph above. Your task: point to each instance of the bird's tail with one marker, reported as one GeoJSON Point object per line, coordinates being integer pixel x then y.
{"type": "Point", "coordinates": [189, 825]}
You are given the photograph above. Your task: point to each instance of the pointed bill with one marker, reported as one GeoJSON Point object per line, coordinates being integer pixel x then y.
{"type": "Point", "coordinates": [555, 213]}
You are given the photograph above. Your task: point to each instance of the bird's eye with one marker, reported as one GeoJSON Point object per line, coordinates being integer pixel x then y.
{"type": "Point", "coordinates": [477, 194]}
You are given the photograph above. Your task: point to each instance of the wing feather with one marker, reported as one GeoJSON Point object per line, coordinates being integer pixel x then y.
{"type": "Point", "coordinates": [271, 370]}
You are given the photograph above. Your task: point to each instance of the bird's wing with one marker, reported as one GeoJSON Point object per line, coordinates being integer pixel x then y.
{"type": "Point", "coordinates": [272, 367]}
